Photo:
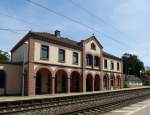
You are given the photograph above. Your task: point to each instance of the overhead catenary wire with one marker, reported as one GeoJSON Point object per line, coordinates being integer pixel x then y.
{"type": "Point", "coordinates": [73, 20]}
{"type": "Point", "coordinates": [8, 29]}
{"type": "Point", "coordinates": [77, 22]}
{"type": "Point", "coordinates": [98, 18]}
{"type": "Point", "coordinates": [19, 19]}
{"type": "Point", "coordinates": [93, 15]}
{"type": "Point", "coordinates": [80, 23]}
{"type": "Point", "coordinates": [16, 31]}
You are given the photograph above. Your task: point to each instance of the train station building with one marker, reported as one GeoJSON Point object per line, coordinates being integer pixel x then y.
{"type": "Point", "coordinates": [44, 63]}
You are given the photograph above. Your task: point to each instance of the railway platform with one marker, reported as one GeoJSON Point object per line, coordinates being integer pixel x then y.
{"type": "Point", "coordinates": [140, 108]}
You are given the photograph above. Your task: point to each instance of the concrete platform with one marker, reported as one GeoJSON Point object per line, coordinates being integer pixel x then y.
{"type": "Point", "coordinates": [140, 108]}
{"type": "Point", "coordinates": [17, 98]}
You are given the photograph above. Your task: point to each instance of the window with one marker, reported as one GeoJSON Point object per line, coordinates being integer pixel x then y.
{"type": "Point", "coordinates": [93, 47]}
{"type": "Point", "coordinates": [75, 58]}
{"type": "Point", "coordinates": [88, 59]}
{"type": "Point", "coordinates": [96, 61]}
{"type": "Point", "coordinates": [61, 55]}
{"type": "Point", "coordinates": [105, 63]}
{"type": "Point", "coordinates": [118, 66]}
{"type": "Point", "coordinates": [112, 65]}
{"type": "Point", "coordinates": [44, 52]}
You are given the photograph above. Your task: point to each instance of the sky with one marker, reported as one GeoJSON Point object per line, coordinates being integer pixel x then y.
{"type": "Point", "coordinates": [121, 26]}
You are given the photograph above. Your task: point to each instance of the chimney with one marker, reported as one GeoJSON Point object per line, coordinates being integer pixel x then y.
{"type": "Point", "coordinates": [57, 33]}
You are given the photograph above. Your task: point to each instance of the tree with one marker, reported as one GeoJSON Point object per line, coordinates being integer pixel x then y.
{"type": "Point", "coordinates": [132, 64]}
{"type": "Point", "coordinates": [147, 71]}
{"type": "Point", "coordinates": [4, 56]}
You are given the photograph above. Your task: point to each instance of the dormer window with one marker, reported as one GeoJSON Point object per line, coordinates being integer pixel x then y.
{"type": "Point", "coordinates": [93, 47]}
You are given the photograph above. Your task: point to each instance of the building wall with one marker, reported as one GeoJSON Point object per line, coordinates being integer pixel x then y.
{"type": "Point", "coordinates": [115, 65]}
{"type": "Point", "coordinates": [89, 50]}
{"type": "Point", "coordinates": [13, 78]}
{"type": "Point", "coordinates": [19, 54]}
{"type": "Point", "coordinates": [53, 54]}
{"type": "Point", "coordinates": [96, 52]}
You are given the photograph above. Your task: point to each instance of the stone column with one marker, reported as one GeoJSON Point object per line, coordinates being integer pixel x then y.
{"type": "Point", "coordinates": [108, 82]}
{"type": "Point", "coordinates": [93, 84]}
{"type": "Point", "coordinates": [68, 87]}
{"type": "Point", "coordinates": [83, 60]}
{"type": "Point", "coordinates": [115, 82]}
{"type": "Point", "coordinates": [53, 85]}
{"type": "Point", "coordinates": [84, 83]}
{"type": "Point", "coordinates": [101, 83]}
{"type": "Point", "coordinates": [31, 75]}
{"type": "Point", "coordinates": [121, 81]}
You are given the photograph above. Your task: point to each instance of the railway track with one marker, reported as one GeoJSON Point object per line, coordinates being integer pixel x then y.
{"type": "Point", "coordinates": [83, 104]}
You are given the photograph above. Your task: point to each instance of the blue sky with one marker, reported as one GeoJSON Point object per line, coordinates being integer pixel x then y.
{"type": "Point", "coordinates": [126, 21]}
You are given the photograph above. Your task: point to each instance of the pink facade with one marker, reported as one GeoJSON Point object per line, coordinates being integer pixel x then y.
{"type": "Point", "coordinates": [50, 76]}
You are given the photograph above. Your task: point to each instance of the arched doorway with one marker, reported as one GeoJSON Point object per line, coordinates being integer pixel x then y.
{"type": "Point", "coordinates": [105, 82]}
{"type": "Point", "coordinates": [118, 82]}
{"type": "Point", "coordinates": [112, 82]}
{"type": "Point", "coordinates": [75, 82]}
{"type": "Point", "coordinates": [61, 81]}
{"type": "Point", "coordinates": [2, 82]}
{"type": "Point", "coordinates": [43, 82]}
{"type": "Point", "coordinates": [89, 83]}
{"type": "Point", "coordinates": [97, 83]}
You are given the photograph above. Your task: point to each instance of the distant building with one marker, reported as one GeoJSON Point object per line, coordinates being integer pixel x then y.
{"type": "Point", "coordinates": [146, 80]}
{"type": "Point", "coordinates": [53, 64]}
{"type": "Point", "coordinates": [133, 81]}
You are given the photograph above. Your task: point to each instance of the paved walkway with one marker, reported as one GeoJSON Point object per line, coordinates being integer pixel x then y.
{"type": "Point", "coordinates": [15, 98]}
{"type": "Point", "coordinates": [140, 108]}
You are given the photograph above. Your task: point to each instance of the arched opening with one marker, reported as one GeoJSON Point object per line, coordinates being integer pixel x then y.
{"type": "Point", "coordinates": [97, 83]}
{"type": "Point", "coordinates": [105, 82]}
{"type": "Point", "coordinates": [2, 82]}
{"type": "Point", "coordinates": [43, 82]}
{"type": "Point", "coordinates": [118, 82]}
{"type": "Point", "coordinates": [93, 46]}
{"type": "Point", "coordinates": [89, 83]}
{"type": "Point", "coordinates": [112, 82]}
{"type": "Point", "coordinates": [75, 80]}
{"type": "Point", "coordinates": [61, 82]}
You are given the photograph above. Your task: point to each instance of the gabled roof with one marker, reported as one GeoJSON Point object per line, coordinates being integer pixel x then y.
{"type": "Point", "coordinates": [108, 55]}
{"type": "Point", "coordinates": [44, 36]}
{"type": "Point", "coordinates": [93, 38]}
{"type": "Point", "coordinates": [52, 37]}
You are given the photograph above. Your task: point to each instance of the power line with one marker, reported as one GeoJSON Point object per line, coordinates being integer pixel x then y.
{"type": "Point", "coordinates": [97, 17]}
{"type": "Point", "coordinates": [16, 31]}
{"type": "Point", "coordinates": [78, 22]}
{"type": "Point", "coordinates": [18, 19]}
{"type": "Point", "coordinates": [93, 15]}
{"type": "Point", "coordinates": [75, 21]}
{"type": "Point", "coordinates": [7, 29]}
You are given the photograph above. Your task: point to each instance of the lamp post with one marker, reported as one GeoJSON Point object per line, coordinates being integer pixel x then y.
{"type": "Point", "coordinates": [141, 73]}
